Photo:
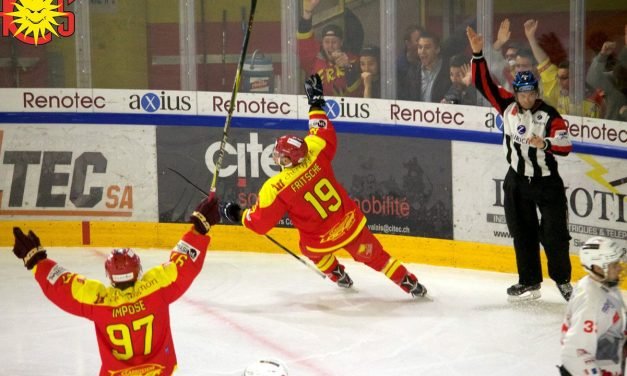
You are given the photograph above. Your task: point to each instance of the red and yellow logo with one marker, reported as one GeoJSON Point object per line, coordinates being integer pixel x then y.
{"type": "Point", "coordinates": [151, 369]}
{"type": "Point", "coordinates": [35, 21]}
{"type": "Point", "coordinates": [340, 228]}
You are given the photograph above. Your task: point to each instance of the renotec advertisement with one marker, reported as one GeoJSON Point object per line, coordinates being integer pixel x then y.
{"type": "Point", "coordinates": [274, 106]}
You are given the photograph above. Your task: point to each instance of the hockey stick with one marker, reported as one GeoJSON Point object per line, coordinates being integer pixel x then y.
{"type": "Point", "coordinates": [238, 77]}
{"type": "Point", "coordinates": [321, 274]}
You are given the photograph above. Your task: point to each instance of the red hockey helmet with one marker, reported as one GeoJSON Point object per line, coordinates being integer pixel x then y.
{"type": "Point", "coordinates": [123, 265]}
{"type": "Point", "coordinates": [290, 147]}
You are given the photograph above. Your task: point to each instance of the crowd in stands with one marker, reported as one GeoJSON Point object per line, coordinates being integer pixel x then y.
{"type": "Point", "coordinates": [428, 71]}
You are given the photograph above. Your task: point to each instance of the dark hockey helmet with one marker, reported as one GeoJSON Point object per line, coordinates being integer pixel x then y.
{"type": "Point", "coordinates": [291, 147]}
{"type": "Point", "coordinates": [525, 81]}
{"type": "Point", "coordinates": [123, 266]}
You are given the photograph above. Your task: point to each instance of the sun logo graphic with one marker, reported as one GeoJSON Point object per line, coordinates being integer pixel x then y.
{"type": "Point", "coordinates": [35, 21]}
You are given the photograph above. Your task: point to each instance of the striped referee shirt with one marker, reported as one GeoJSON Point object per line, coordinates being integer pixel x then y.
{"type": "Point", "coordinates": [520, 125]}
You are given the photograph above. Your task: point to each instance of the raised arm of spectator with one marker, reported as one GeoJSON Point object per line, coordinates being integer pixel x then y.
{"type": "Point", "coordinates": [308, 8]}
{"type": "Point", "coordinates": [502, 36]}
{"type": "Point", "coordinates": [307, 44]}
{"type": "Point", "coordinates": [596, 76]}
{"type": "Point", "coordinates": [531, 26]}
{"type": "Point", "coordinates": [498, 61]}
{"type": "Point", "coordinates": [546, 69]}
{"type": "Point", "coordinates": [498, 97]}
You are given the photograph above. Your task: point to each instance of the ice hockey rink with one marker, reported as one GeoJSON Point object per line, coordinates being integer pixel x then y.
{"type": "Point", "coordinates": [245, 306]}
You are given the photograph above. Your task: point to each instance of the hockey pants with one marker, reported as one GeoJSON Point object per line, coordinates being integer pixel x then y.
{"type": "Point", "coordinates": [522, 196]}
{"type": "Point", "coordinates": [365, 248]}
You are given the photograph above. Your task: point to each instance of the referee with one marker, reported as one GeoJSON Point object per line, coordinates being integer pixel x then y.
{"type": "Point", "coordinates": [533, 134]}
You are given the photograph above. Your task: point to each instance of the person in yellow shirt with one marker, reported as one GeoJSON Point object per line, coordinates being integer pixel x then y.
{"type": "Point", "coordinates": [561, 92]}
{"type": "Point", "coordinates": [555, 79]}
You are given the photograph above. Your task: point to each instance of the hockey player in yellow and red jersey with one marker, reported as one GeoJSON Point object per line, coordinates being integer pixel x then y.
{"type": "Point", "coordinates": [131, 317]}
{"type": "Point", "coordinates": [319, 207]}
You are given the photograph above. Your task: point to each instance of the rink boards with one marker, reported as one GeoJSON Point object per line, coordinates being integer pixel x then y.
{"type": "Point", "coordinates": [93, 168]}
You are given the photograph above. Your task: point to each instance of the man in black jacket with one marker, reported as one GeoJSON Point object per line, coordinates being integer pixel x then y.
{"type": "Point", "coordinates": [429, 81]}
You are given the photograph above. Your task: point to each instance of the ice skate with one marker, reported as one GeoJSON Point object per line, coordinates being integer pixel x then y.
{"type": "Point", "coordinates": [341, 277]}
{"type": "Point", "coordinates": [520, 293]}
{"type": "Point", "coordinates": [411, 285]}
{"type": "Point", "coordinates": [566, 289]}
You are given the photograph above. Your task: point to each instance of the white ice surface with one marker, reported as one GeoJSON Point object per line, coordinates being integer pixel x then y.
{"type": "Point", "coordinates": [247, 305]}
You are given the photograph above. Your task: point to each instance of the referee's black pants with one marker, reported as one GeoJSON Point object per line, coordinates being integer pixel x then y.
{"type": "Point", "coordinates": [522, 196]}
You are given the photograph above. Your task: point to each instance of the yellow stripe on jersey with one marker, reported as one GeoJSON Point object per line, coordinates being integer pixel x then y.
{"type": "Point", "coordinates": [244, 215]}
{"type": "Point", "coordinates": [326, 262]}
{"type": "Point", "coordinates": [391, 267]}
{"type": "Point", "coordinates": [318, 112]}
{"type": "Point", "coordinates": [91, 291]}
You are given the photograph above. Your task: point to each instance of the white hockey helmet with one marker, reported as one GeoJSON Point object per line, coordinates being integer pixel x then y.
{"type": "Point", "coordinates": [266, 367]}
{"type": "Point", "coordinates": [601, 252]}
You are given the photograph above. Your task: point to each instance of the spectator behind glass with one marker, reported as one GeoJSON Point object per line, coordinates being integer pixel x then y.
{"type": "Point", "coordinates": [370, 72]}
{"type": "Point", "coordinates": [461, 91]}
{"type": "Point", "coordinates": [526, 62]}
{"type": "Point", "coordinates": [555, 80]}
{"type": "Point", "coordinates": [409, 58]}
{"type": "Point", "coordinates": [510, 56]}
{"type": "Point", "coordinates": [503, 65]}
{"type": "Point", "coordinates": [546, 70]}
{"type": "Point", "coordinates": [429, 81]}
{"type": "Point", "coordinates": [337, 68]}
{"type": "Point", "coordinates": [614, 82]}
{"type": "Point", "coordinates": [591, 108]}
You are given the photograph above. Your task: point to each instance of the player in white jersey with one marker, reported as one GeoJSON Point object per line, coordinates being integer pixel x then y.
{"type": "Point", "coordinates": [593, 332]}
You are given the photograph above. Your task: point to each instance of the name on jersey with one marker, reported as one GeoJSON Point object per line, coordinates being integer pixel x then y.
{"type": "Point", "coordinates": [306, 177]}
{"type": "Point", "coordinates": [129, 309]}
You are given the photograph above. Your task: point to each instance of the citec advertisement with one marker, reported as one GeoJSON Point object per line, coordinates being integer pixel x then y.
{"type": "Point", "coordinates": [407, 191]}
{"type": "Point", "coordinates": [77, 172]}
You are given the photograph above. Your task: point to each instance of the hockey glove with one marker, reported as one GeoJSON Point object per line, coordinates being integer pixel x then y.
{"type": "Point", "coordinates": [313, 89]}
{"type": "Point", "coordinates": [206, 214]}
{"type": "Point", "coordinates": [232, 212]}
{"type": "Point", "coordinates": [28, 248]}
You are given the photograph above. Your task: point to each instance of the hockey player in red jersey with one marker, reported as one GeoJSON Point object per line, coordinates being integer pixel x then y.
{"type": "Point", "coordinates": [318, 206]}
{"type": "Point", "coordinates": [131, 317]}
